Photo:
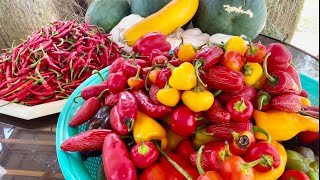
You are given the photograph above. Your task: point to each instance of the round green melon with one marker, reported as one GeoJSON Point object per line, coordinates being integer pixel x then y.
{"type": "Point", "coordinates": [214, 16]}
{"type": "Point", "coordinates": [107, 13]}
{"type": "Point", "coordinates": [145, 8]}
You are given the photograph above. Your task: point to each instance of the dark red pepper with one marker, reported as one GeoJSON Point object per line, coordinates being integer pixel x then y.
{"type": "Point", "coordinates": [117, 82]}
{"type": "Point", "coordinates": [144, 154]}
{"type": "Point", "coordinates": [116, 65]}
{"type": "Point", "coordinates": [217, 114]}
{"type": "Point", "coordinates": [262, 101]}
{"type": "Point", "coordinates": [151, 41]}
{"type": "Point", "coordinates": [111, 100]}
{"type": "Point", "coordinates": [146, 105]}
{"type": "Point", "coordinates": [86, 141]}
{"type": "Point", "coordinates": [115, 158]}
{"type": "Point", "coordinates": [159, 60]}
{"type": "Point", "coordinates": [222, 78]}
{"type": "Point", "coordinates": [278, 82]}
{"type": "Point", "coordinates": [295, 76]}
{"type": "Point", "coordinates": [184, 149]}
{"type": "Point", "coordinates": [212, 56]}
{"type": "Point", "coordinates": [222, 131]}
{"type": "Point", "coordinates": [280, 57]}
{"type": "Point", "coordinates": [294, 175]}
{"type": "Point", "coordinates": [240, 109]}
{"type": "Point", "coordinates": [308, 137]}
{"type": "Point", "coordinates": [242, 142]}
{"type": "Point", "coordinates": [247, 92]}
{"type": "Point", "coordinates": [163, 77]}
{"type": "Point", "coordinates": [182, 121]}
{"type": "Point", "coordinates": [130, 70]}
{"type": "Point", "coordinates": [288, 102]}
{"type": "Point", "coordinates": [256, 52]}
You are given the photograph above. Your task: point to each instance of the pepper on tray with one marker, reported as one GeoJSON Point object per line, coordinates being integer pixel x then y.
{"type": "Point", "coordinates": [233, 60]}
{"type": "Point", "coordinates": [288, 102]}
{"type": "Point", "coordinates": [198, 99]}
{"type": "Point", "coordinates": [280, 57]}
{"type": "Point", "coordinates": [240, 109]}
{"type": "Point", "coordinates": [182, 121]}
{"type": "Point", "coordinates": [252, 73]}
{"type": "Point", "coordinates": [168, 96]}
{"type": "Point", "coordinates": [136, 83]}
{"type": "Point", "coordinates": [237, 44]}
{"type": "Point", "coordinates": [187, 52]}
{"type": "Point", "coordinates": [255, 52]}
{"type": "Point", "coordinates": [212, 56]}
{"type": "Point", "coordinates": [183, 77]}
{"type": "Point", "coordinates": [144, 154]}
{"type": "Point", "coordinates": [117, 82]}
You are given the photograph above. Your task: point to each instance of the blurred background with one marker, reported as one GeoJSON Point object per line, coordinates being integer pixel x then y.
{"type": "Point", "coordinates": [293, 21]}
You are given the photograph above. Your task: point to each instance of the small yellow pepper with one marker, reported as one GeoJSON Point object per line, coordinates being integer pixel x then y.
{"type": "Point", "coordinates": [283, 126]}
{"type": "Point", "coordinates": [198, 100]}
{"type": "Point", "coordinates": [273, 174]}
{"type": "Point", "coordinates": [168, 96]}
{"type": "Point", "coordinates": [305, 101]}
{"type": "Point", "coordinates": [183, 77]}
{"type": "Point", "coordinates": [252, 73]}
{"type": "Point", "coordinates": [260, 83]}
{"type": "Point", "coordinates": [237, 44]}
{"type": "Point", "coordinates": [173, 139]}
{"type": "Point", "coordinates": [147, 129]}
{"type": "Point", "coordinates": [187, 53]}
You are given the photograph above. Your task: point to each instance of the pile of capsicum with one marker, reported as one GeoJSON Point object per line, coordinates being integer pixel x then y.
{"type": "Point", "coordinates": [209, 112]}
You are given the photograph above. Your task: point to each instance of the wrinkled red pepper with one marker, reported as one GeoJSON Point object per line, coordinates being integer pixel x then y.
{"type": "Point", "coordinates": [295, 76]}
{"type": "Point", "coordinates": [118, 167]}
{"type": "Point", "coordinates": [280, 57]}
{"type": "Point", "coordinates": [151, 41]}
{"type": "Point", "coordinates": [288, 102]}
{"type": "Point", "coordinates": [212, 56]}
{"type": "Point", "coordinates": [217, 114]}
{"type": "Point", "coordinates": [247, 92]}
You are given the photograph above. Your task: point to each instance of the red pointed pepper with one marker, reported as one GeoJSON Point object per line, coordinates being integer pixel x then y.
{"type": "Point", "coordinates": [182, 121]}
{"type": "Point", "coordinates": [144, 154]}
{"type": "Point", "coordinates": [240, 109]}
{"type": "Point", "coordinates": [115, 158]}
{"type": "Point", "coordinates": [278, 82]}
{"type": "Point", "coordinates": [212, 56]}
{"type": "Point", "coordinates": [280, 57]}
{"type": "Point", "coordinates": [217, 114]}
{"type": "Point", "coordinates": [288, 102]}
{"type": "Point", "coordinates": [256, 52]}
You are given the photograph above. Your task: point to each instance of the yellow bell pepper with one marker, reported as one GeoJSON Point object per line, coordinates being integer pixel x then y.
{"type": "Point", "coordinates": [197, 100]}
{"type": "Point", "coordinates": [237, 44]}
{"type": "Point", "coordinates": [183, 77]}
{"type": "Point", "coordinates": [147, 129]}
{"type": "Point", "coordinates": [283, 126]}
{"type": "Point", "coordinates": [171, 17]}
{"type": "Point", "coordinates": [187, 53]}
{"type": "Point", "coordinates": [252, 73]}
{"type": "Point", "coordinates": [168, 96]}
{"type": "Point", "coordinates": [305, 101]}
{"type": "Point", "coordinates": [260, 83]}
{"type": "Point", "coordinates": [273, 174]}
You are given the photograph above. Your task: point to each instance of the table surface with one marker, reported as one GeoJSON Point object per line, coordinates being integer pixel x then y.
{"type": "Point", "coordinates": [27, 148]}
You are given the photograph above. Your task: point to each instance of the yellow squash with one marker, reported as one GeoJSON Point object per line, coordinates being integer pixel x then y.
{"type": "Point", "coordinates": [171, 17]}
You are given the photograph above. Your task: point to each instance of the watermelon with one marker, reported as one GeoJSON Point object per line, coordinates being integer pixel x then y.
{"type": "Point", "coordinates": [145, 8]}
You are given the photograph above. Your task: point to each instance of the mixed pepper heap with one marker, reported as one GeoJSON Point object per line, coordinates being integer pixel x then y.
{"type": "Point", "coordinates": [211, 112]}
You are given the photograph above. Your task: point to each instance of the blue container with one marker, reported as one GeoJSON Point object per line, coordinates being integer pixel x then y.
{"type": "Point", "coordinates": [71, 164]}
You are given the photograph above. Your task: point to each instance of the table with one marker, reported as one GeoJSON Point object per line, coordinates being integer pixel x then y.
{"type": "Point", "coordinates": [27, 148]}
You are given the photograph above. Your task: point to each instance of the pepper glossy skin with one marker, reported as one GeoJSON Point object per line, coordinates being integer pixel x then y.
{"type": "Point", "coordinates": [288, 102]}
{"type": "Point", "coordinates": [295, 76]}
{"type": "Point", "coordinates": [118, 167]}
{"type": "Point", "coordinates": [127, 105]}
{"type": "Point", "coordinates": [198, 100]}
{"type": "Point", "coordinates": [183, 77]}
{"type": "Point", "coordinates": [247, 92]}
{"type": "Point", "coordinates": [231, 169]}
{"type": "Point", "coordinates": [252, 73]}
{"type": "Point", "coordinates": [146, 105]}
{"type": "Point", "coordinates": [163, 77]}
{"type": "Point", "coordinates": [117, 82]}
{"type": "Point", "coordinates": [187, 53]}
{"type": "Point", "coordinates": [151, 41]}
{"type": "Point", "coordinates": [182, 121]}
{"type": "Point", "coordinates": [222, 78]}
{"type": "Point", "coordinates": [240, 109]}
{"type": "Point", "coordinates": [212, 56]}
{"type": "Point", "coordinates": [233, 60]}
{"type": "Point", "coordinates": [280, 57]}
{"type": "Point", "coordinates": [294, 174]}
{"type": "Point", "coordinates": [242, 142]}
{"type": "Point", "coordinates": [255, 52]}
{"type": "Point", "coordinates": [157, 171]}
{"type": "Point", "coordinates": [237, 44]}
{"type": "Point", "coordinates": [143, 154]}
{"type": "Point", "coordinates": [118, 123]}
{"type": "Point", "coordinates": [130, 70]}
{"type": "Point", "coordinates": [184, 149]}
{"type": "Point", "coordinates": [168, 96]}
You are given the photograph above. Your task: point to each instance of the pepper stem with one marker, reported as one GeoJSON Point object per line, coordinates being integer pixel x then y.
{"type": "Point", "coordinates": [169, 65]}
{"type": "Point", "coordinates": [256, 129]}
{"type": "Point", "coordinates": [75, 98]}
{"type": "Point", "coordinates": [235, 135]}
{"type": "Point", "coordinates": [252, 50]}
{"type": "Point", "coordinates": [265, 159]}
{"type": "Point", "coordinates": [302, 112]}
{"type": "Point", "coordinates": [143, 149]}
{"type": "Point", "coordinates": [199, 167]}
{"type": "Point", "coordinates": [197, 65]}
{"type": "Point", "coordinates": [99, 74]}
{"type": "Point", "coordinates": [263, 99]}
{"type": "Point", "coordinates": [102, 93]}
{"type": "Point", "coordinates": [217, 92]}
{"type": "Point", "coordinates": [138, 73]}
{"type": "Point", "coordinates": [240, 106]}
{"type": "Point", "coordinates": [226, 152]}
{"type": "Point", "coordinates": [173, 163]}
{"type": "Point", "coordinates": [265, 70]}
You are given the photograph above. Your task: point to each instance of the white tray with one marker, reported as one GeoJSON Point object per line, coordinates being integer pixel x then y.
{"type": "Point", "coordinates": [31, 112]}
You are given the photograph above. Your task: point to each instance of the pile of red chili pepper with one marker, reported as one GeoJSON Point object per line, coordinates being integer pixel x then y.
{"type": "Point", "coordinates": [53, 61]}
{"type": "Point", "coordinates": [215, 113]}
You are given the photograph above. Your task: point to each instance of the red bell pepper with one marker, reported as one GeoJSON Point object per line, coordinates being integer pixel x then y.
{"type": "Point", "coordinates": [146, 105]}
{"type": "Point", "coordinates": [212, 56]}
{"type": "Point", "coordinates": [242, 142]}
{"type": "Point", "coordinates": [117, 82]}
{"type": "Point", "coordinates": [294, 175]}
{"type": "Point", "coordinates": [157, 171]}
{"type": "Point", "coordinates": [308, 137]}
{"type": "Point", "coordinates": [136, 83]}
{"type": "Point", "coordinates": [144, 154]}
{"type": "Point", "coordinates": [182, 121]}
{"type": "Point", "coordinates": [240, 109]}
{"type": "Point", "coordinates": [262, 101]}
{"type": "Point", "coordinates": [217, 114]}
{"type": "Point", "coordinates": [147, 43]}
{"type": "Point", "coordinates": [115, 158]}
{"type": "Point", "coordinates": [295, 76]}
{"type": "Point", "coordinates": [247, 92]}
{"type": "Point", "coordinates": [163, 77]}
{"type": "Point", "coordinates": [280, 57]}
{"type": "Point", "coordinates": [116, 65]}
{"type": "Point", "coordinates": [118, 123]}
{"type": "Point", "coordinates": [86, 141]}
{"type": "Point", "coordinates": [222, 78]}
{"type": "Point", "coordinates": [129, 69]}
{"type": "Point", "coordinates": [256, 52]}
{"type": "Point", "coordinates": [288, 102]}
{"type": "Point", "coordinates": [233, 60]}
{"type": "Point", "coordinates": [278, 82]}
{"type": "Point", "coordinates": [184, 149]}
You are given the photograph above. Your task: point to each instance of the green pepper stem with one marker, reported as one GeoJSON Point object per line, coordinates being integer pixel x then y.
{"type": "Point", "coordinates": [263, 99]}
{"type": "Point", "coordinates": [265, 159]}
{"type": "Point", "coordinates": [217, 92]}
{"type": "Point", "coordinates": [173, 163]}
{"type": "Point", "coordinates": [198, 64]}
{"type": "Point", "coordinates": [151, 69]}
{"type": "Point", "coordinates": [199, 167]}
{"type": "Point", "coordinates": [265, 70]}
{"type": "Point", "coordinates": [102, 93]}
{"type": "Point", "coordinates": [226, 152]}
{"type": "Point", "coordinates": [240, 106]}
{"type": "Point", "coordinates": [256, 129]}
{"type": "Point", "coordinates": [252, 50]}
{"type": "Point", "coordinates": [302, 112]}
{"type": "Point", "coordinates": [143, 149]}
{"type": "Point", "coordinates": [138, 73]}
{"type": "Point", "coordinates": [99, 74]}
